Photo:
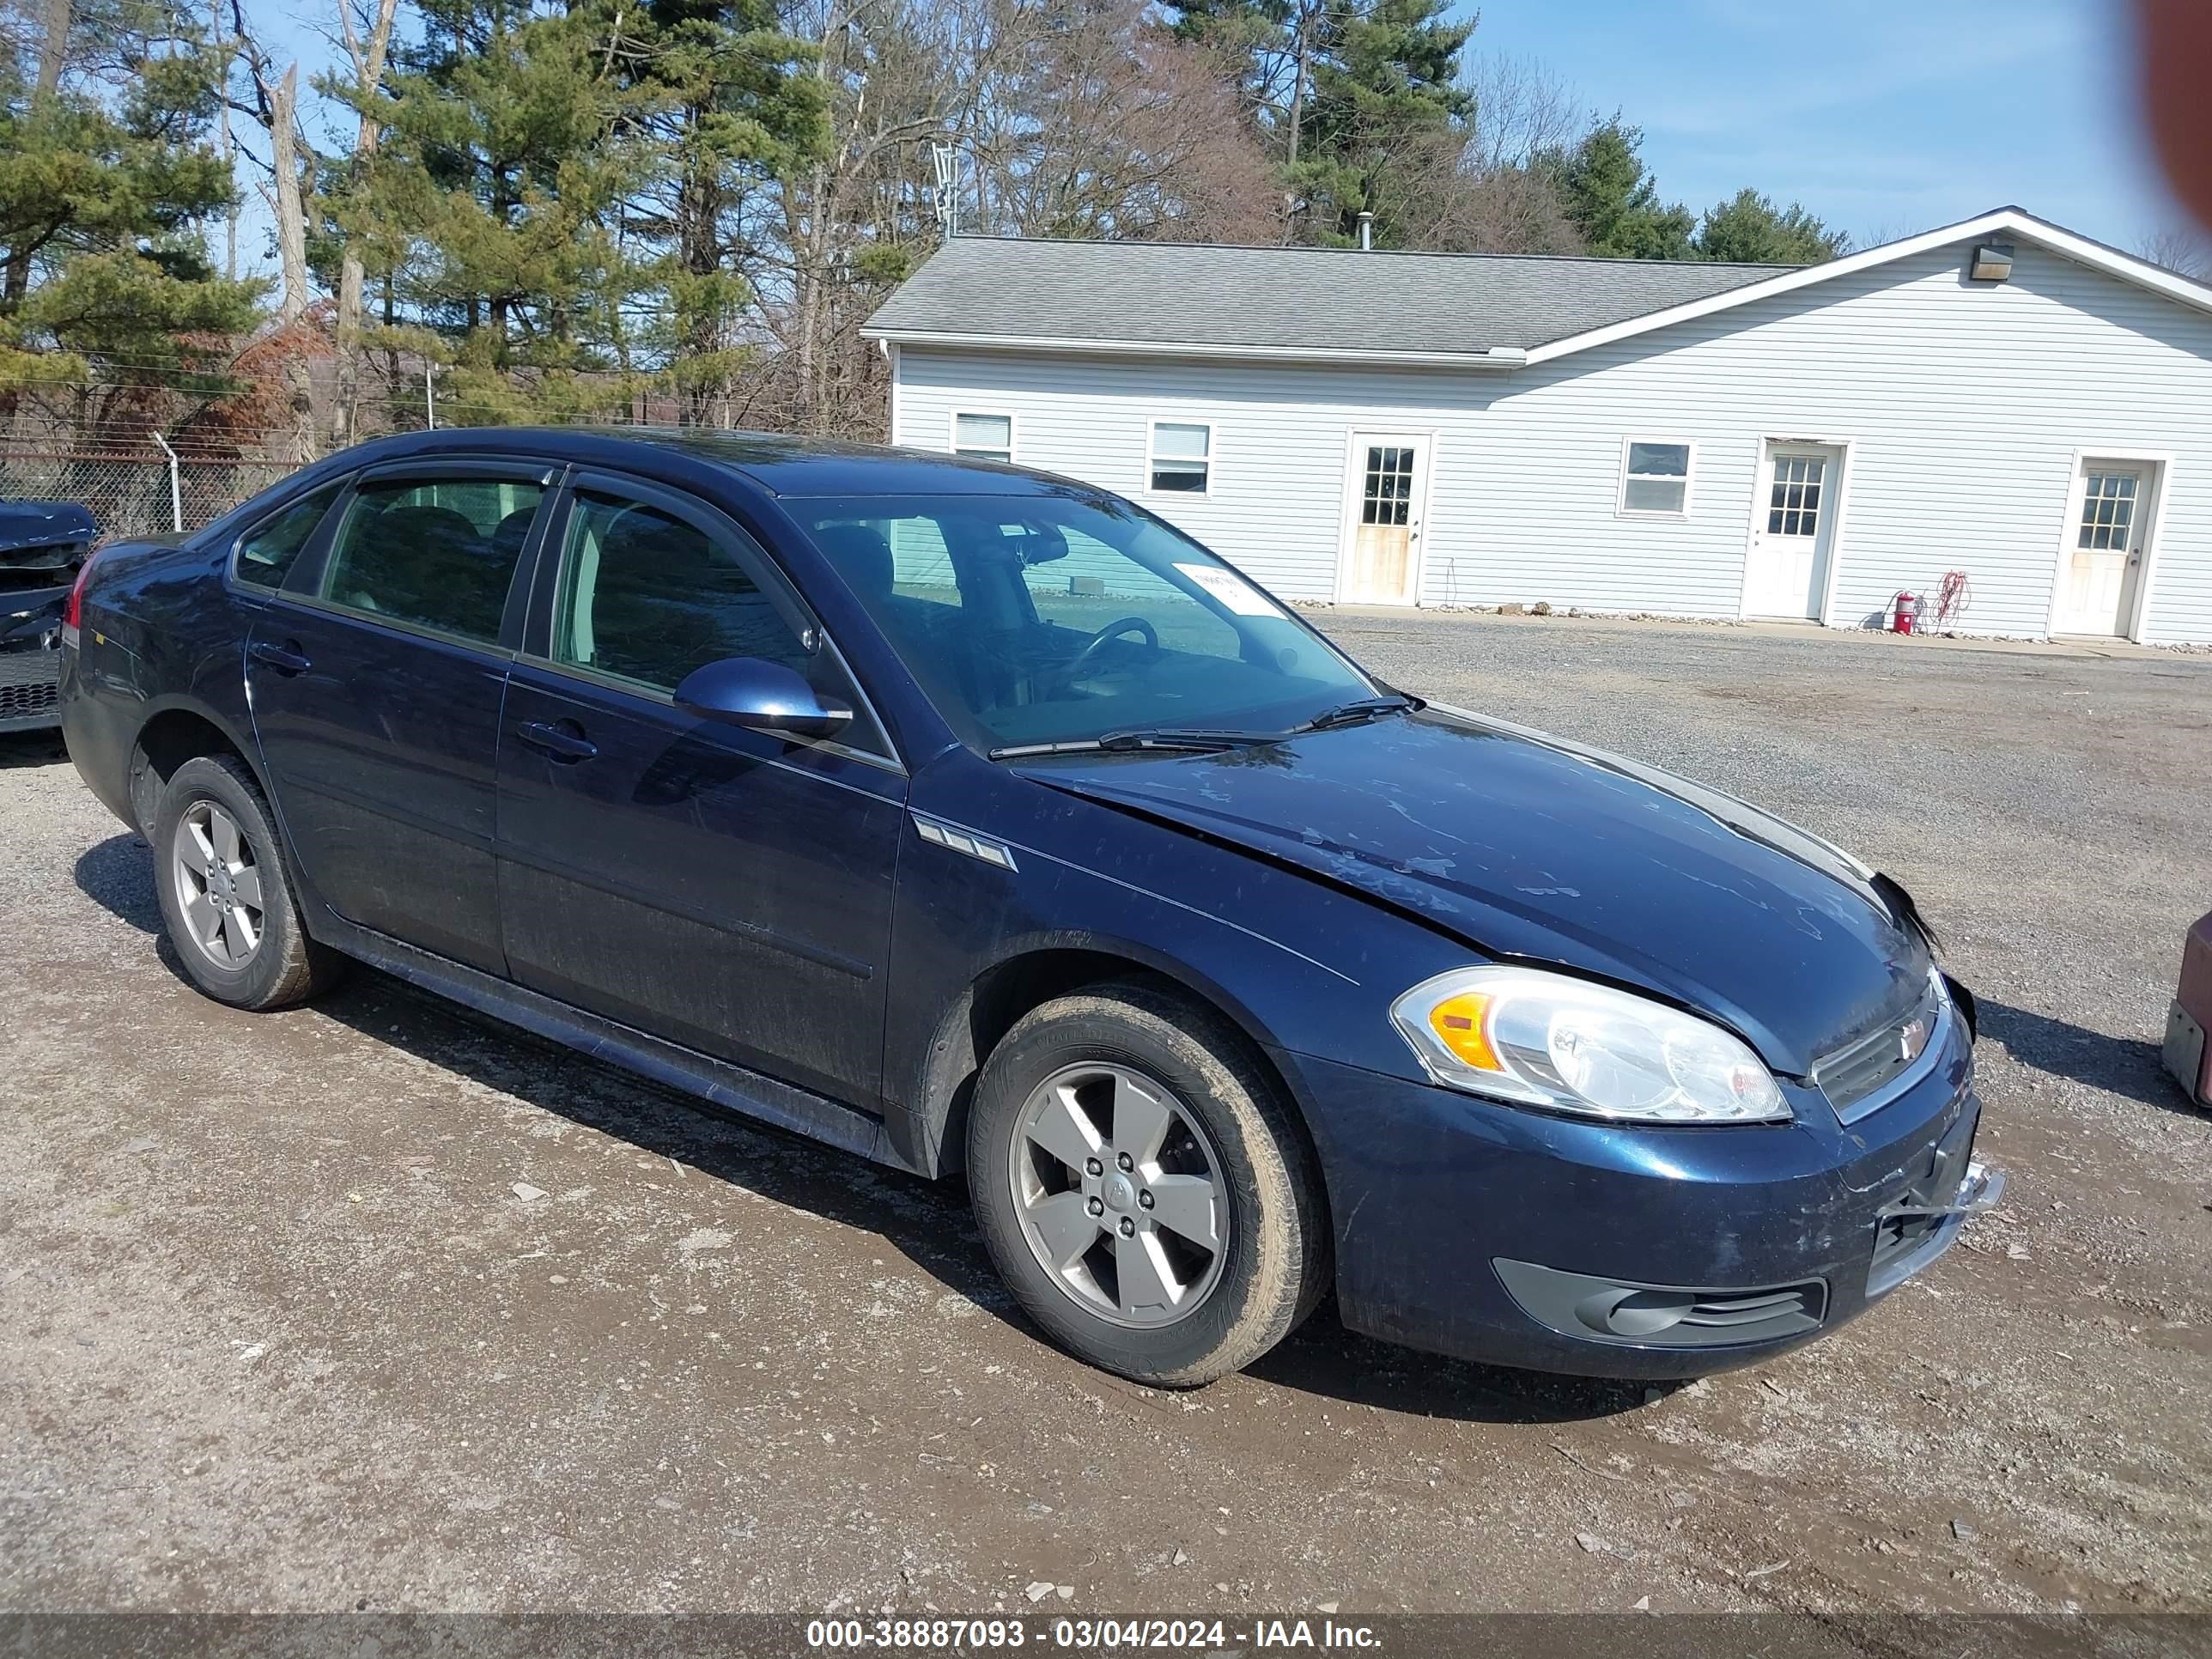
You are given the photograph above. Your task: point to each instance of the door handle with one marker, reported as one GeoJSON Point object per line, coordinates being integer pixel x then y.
{"type": "Point", "coordinates": [285, 659]}
{"type": "Point", "coordinates": [558, 741]}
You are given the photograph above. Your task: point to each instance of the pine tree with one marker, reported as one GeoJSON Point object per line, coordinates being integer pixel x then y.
{"type": "Point", "coordinates": [1341, 95]}
{"type": "Point", "coordinates": [104, 196]}
{"type": "Point", "coordinates": [729, 104]}
{"type": "Point", "coordinates": [508, 145]}
{"type": "Point", "coordinates": [1610, 198]}
{"type": "Point", "coordinates": [1749, 228]}
{"type": "Point", "coordinates": [1388, 83]}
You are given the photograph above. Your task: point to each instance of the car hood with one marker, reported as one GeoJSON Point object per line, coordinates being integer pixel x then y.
{"type": "Point", "coordinates": [1529, 847]}
{"type": "Point", "coordinates": [44, 523]}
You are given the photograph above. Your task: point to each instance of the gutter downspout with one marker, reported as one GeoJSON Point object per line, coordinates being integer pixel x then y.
{"type": "Point", "coordinates": [890, 352]}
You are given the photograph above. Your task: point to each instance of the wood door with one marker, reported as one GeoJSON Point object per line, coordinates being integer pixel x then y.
{"type": "Point", "coordinates": [2105, 554]}
{"type": "Point", "coordinates": [1793, 529]}
{"type": "Point", "coordinates": [1382, 564]}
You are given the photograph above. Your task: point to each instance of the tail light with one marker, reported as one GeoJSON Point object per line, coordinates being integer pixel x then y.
{"type": "Point", "coordinates": [73, 610]}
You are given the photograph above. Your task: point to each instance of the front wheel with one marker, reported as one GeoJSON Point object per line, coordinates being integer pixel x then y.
{"type": "Point", "coordinates": [1142, 1188]}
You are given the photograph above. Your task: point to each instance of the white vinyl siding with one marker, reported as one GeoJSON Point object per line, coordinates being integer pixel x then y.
{"type": "Point", "coordinates": [1964, 408]}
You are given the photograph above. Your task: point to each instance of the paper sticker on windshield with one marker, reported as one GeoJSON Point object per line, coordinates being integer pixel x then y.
{"type": "Point", "coordinates": [1232, 590]}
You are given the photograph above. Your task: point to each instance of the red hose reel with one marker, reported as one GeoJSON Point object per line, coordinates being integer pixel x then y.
{"type": "Point", "coordinates": [1904, 608]}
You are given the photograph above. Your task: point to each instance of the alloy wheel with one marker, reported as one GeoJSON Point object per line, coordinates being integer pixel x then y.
{"type": "Point", "coordinates": [218, 885]}
{"type": "Point", "coordinates": [1120, 1195]}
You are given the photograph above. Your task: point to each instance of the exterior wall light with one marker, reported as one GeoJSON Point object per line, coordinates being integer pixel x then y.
{"type": "Point", "coordinates": [1992, 264]}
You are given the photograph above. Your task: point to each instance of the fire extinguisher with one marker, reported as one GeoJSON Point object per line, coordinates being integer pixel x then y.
{"type": "Point", "coordinates": [1904, 613]}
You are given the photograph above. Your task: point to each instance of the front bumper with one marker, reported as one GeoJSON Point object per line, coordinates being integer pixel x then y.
{"type": "Point", "coordinates": [30, 687]}
{"type": "Point", "coordinates": [1484, 1231]}
{"type": "Point", "coordinates": [30, 660]}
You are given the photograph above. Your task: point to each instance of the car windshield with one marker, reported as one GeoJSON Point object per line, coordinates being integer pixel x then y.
{"type": "Point", "coordinates": [1062, 617]}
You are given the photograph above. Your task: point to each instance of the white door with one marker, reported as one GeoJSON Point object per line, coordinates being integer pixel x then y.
{"type": "Point", "coordinates": [1792, 531]}
{"type": "Point", "coordinates": [2105, 551]}
{"type": "Point", "coordinates": [1382, 554]}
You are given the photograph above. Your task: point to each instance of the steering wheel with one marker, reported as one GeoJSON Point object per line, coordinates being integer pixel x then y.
{"type": "Point", "coordinates": [1098, 641]}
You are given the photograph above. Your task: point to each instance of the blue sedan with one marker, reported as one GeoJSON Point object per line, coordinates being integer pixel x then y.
{"type": "Point", "coordinates": [980, 822]}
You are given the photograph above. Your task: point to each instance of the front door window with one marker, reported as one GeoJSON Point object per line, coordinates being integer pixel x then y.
{"type": "Point", "coordinates": [647, 597]}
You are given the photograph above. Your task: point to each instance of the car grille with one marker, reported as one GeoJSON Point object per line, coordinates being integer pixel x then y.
{"type": "Point", "coordinates": [1862, 1076]}
{"type": "Point", "coordinates": [29, 688]}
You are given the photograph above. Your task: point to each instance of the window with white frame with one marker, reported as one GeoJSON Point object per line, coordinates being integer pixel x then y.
{"type": "Point", "coordinates": [1181, 461]}
{"type": "Point", "coordinates": [984, 437]}
{"type": "Point", "coordinates": [1654, 478]}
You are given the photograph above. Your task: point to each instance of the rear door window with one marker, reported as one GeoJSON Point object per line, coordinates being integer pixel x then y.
{"type": "Point", "coordinates": [437, 553]}
{"type": "Point", "coordinates": [266, 553]}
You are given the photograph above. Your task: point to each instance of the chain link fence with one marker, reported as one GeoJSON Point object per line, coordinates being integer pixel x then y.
{"type": "Point", "coordinates": [131, 495]}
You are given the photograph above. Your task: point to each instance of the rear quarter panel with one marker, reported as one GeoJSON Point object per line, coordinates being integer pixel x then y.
{"type": "Point", "coordinates": [160, 631]}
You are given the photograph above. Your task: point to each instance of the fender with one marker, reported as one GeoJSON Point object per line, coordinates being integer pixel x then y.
{"type": "Point", "coordinates": [942, 1076]}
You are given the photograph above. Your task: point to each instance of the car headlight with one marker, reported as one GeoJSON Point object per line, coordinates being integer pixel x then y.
{"type": "Point", "coordinates": [1567, 1045]}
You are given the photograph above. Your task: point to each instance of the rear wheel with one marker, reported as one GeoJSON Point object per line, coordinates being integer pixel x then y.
{"type": "Point", "coordinates": [226, 895]}
{"type": "Point", "coordinates": [1142, 1188]}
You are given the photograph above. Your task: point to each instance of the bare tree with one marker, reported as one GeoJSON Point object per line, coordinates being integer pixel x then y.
{"type": "Point", "coordinates": [1522, 112]}
{"type": "Point", "coordinates": [54, 47]}
{"type": "Point", "coordinates": [1888, 231]}
{"type": "Point", "coordinates": [2181, 249]}
{"type": "Point", "coordinates": [1484, 186]}
{"type": "Point", "coordinates": [897, 74]}
{"type": "Point", "coordinates": [276, 106]}
{"type": "Point", "coordinates": [365, 27]}
{"type": "Point", "coordinates": [1111, 127]}
{"type": "Point", "coordinates": [287, 189]}
{"type": "Point", "coordinates": [1070, 117]}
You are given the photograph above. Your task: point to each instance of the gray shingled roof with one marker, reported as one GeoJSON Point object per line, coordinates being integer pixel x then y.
{"type": "Point", "coordinates": [1303, 299]}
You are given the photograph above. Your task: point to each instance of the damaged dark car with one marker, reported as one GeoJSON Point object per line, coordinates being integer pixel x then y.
{"type": "Point", "coordinates": [983, 824]}
{"type": "Point", "coordinates": [42, 546]}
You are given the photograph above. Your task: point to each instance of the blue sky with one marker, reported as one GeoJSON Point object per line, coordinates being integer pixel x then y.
{"type": "Point", "coordinates": [1883, 117]}
{"type": "Point", "coordinates": [1880, 116]}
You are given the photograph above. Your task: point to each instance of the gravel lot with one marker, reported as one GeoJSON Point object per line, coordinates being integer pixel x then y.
{"type": "Point", "coordinates": [281, 1335]}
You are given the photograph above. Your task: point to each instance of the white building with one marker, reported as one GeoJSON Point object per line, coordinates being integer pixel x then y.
{"type": "Point", "coordinates": [2001, 397]}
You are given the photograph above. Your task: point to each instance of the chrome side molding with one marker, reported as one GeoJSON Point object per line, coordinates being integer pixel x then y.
{"type": "Point", "coordinates": [960, 841]}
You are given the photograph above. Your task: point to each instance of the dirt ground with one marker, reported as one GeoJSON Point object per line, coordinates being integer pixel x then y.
{"type": "Point", "coordinates": [281, 1334]}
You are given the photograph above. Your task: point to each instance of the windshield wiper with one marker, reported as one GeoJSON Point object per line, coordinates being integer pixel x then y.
{"type": "Point", "coordinates": [1351, 713]}
{"type": "Point", "coordinates": [1206, 739]}
{"type": "Point", "coordinates": [1194, 739]}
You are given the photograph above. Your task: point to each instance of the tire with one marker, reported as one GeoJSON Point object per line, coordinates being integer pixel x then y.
{"type": "Point", "coordinates": [282, 965]}
{"type": "Point", "coordinates": [1116, 1055]}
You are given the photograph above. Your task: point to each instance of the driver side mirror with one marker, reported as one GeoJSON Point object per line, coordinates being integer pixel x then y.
{"type": "Point", "coordinates": [761, 696]}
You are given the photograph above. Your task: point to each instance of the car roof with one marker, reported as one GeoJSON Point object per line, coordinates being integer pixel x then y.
{"type": "Point", "coordinates": [779, 463]}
